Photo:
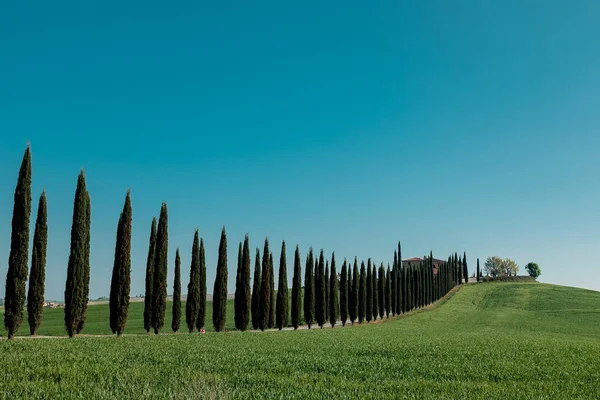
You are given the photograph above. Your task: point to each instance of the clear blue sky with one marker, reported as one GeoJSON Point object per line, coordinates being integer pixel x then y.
{"type": "Point", "coordinates": [347, 126]}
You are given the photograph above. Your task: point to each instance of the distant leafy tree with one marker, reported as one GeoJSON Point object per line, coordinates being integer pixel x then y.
{"type": "Point", "coordinates": [510, 267]}
{"type": "Point", "coordinates": [220, 288]}
{"type": "Point", "coordinates": [150, 278]}
{"type": "Point", "coordinates": [533, 270]}
{"type": "Point", "coordinates": [37, 277]}
{"type": "Point", "coordinates": [309, 289]}
{"type": "Point", "coordinates": [297, 290]}
{"type": "Point", "coordinates": [177, 294]}
{"type": "Point", "coordinates": [493, 266]}
{"type": "Point", "coordinates": [282, 312]}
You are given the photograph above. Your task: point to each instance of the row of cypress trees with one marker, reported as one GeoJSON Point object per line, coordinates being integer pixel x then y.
{"type": "Point", "coordinates": [366, 295]}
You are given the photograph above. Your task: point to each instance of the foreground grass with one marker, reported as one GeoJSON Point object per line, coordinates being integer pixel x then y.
{"type": "Point", "coordinates": [496, 340]}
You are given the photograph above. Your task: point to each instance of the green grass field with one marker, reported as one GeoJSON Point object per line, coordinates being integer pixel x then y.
{"type": "Point", "coordinates": [493, 340]}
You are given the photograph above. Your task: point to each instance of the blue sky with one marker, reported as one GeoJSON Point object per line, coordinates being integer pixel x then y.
{"type": "Point", "coordinates": [451, 126]}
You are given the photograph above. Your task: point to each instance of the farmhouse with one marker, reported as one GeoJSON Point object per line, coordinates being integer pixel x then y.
{"type": "Point", "coordinates": [417, 260]}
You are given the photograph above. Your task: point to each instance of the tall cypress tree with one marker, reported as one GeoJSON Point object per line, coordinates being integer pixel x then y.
{"type": "Point", "coordinates": [320, 292]}
{"type": "Point", "coordinates": [355, 293]}
{"type": "Point", "coordinates": [334, 299]}
{"type": "Point", "coordinates": [121, 284]}
{"type": "Point", "coordinates": [369, 304]}
{"type": "Point", "coordinates": [16, 277]}
{"type": "Point", "coordinates": [237, 301]}
{"type": "Point", "coordinates": [85, 273]}
{"type": "Point", "coordinates": [388, 292]}
{"type": "Point", "coordinates": [309, 290]}
{"type": "Point", "coordinates": [297, 290]}
{"type": "Point", "coordinates": [159, 294]}
{"type": "Point", "coordinates": [220, 287]}
{"type": "Point", "coordinates": [264, 304]}
{"type": "Point", "coordinates": [246, 294]}
{"type": "Point", "coordinates": [327, 290]}
{"type": "Point", "coordinates": [35, 295]}
{"type": "Point", "coordinates": [200, 321]}
{"type": "Point", "coordinates": [75, 285]}
{"type": "Point", "coordinates": [272, 304]}
{"type": "Point", "coordinates": [375, 283]}
{"type": "Point", "coordinates": [282, 312]}
{"type": "Point", "coordinates": [150, 278]}
{"type": "Point", "coordinates": [381, 285]}
{"type": "Point", "coordinates": [177, 294]}
{"type": "Point", "coordinates": [317, 291]}
{"type": "Point", "coordinates": [465, 268]}
{"type": "Point", "coordinates": [399, 282]}
{"type": "Point", "coordinates": [392, 278]}
{"type": "Point", "coordinates": [192, 303]}
{"type": "Point", "coordinates": [478, 271]}
{"type": "Point", "coordinates": [362, 294]}
{"type": "Point", "coordinates": [344, 294]}
{"type": "Point", "coordinates": [256, 288]}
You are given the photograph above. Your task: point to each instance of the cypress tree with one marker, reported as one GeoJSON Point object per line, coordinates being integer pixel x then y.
{"type": "Point", "coordinates": [399, 282]}
{"type": "Point", "coordinates": [374, 282]}
{"type": "Point", "coordinates": [177, 294]}
{"type": "Point", "coordinates": [85, 273]}
{"type": "Point", "coordinates": [246, 295]}
{"type": "Point", "coordinates": [334, 300]}
{"type": "Point", "coordinates": [237, 301]}
{"type": "Point", "coordinates": [388, 292]}
{"type": "Point", "coordinates": [369, 282]}
{"type": "Point", "coordinates": [317, 291]}
{"type": "Point", "coordinates": [16, 277]}
{"type": "Point", "coordinates": [297, 290]}
{"type": "Point", "coordinates": [478, 271]}
{"type": "Point", "coordinates": [220, 287]}
{"type": "Point", "coordinates": [327, 290]}
{"type": "Point", "coordinates": [272, 302]}
{"type": "Point", "coordinates": [362, 294]}
{"type": "Point", "coordinates": [75, 291]}
{"type": "Point", "coordinates": [150, 278]}
{"type": "Point", "coordinates": [355, 293]}
{"type": "Point", "coordinates": [349, 290]}
{"type": "Point", "coordinates": [320, 292]}
{"type": "Point", "coordinates": [282, 312]}
{"type": "Point", "coordinates": [256, 288]}
{"type": "Point", "coordinates": [192, 303]}
{"type": "Point", "coordinates": [381, 283]}
{"type": "Point", "coordinates": [35, 295]}
{"type": "Point", "coordinates": [159, 293]}
{"type": "Point", "coordinates": [264, 304]}
{"type": "Point", "coordinates": [309, 290]}
{"type": "Point", "coordinates": [200, 321]}
{"type": "Point", "coordinates": [344, 294]}
{"type": "Point", "coordinates": [465, 268]}
{"type": "Point", "coordinates": [392, 279]}
{"type": "Point", "coordinates": [121, 284]}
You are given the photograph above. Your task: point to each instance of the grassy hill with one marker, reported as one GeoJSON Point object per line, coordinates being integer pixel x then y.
{"type": "Point", "coordinates": [493, 340]}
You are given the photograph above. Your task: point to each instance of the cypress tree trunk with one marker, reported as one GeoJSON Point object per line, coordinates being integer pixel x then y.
{"type": "Point", "coordinates": [159, 293]}
{"type": "Point", "coordinates": [220, 288]}
{"type": "Point", "coordinates": [192, 303]}
{"type": "Point", "coordinates": [177, 294]}
{"type": "Point", "coordinates": [282, 291]}
{"type": "Point", "coordinates": [271, 323]}
{"type": "Point", "coordinates": [362, 294]}
{"type": "Point", "coordinates": [150, 278]}
{"type": "Point", "coordinates": [16, 276]}
{"type": "Point", "coordinates": [264, 303]}
{"type": "Point", "coordinates": [381, 285]}
{"type": "Point", "coordinates": [202, 309]}
{"type": "Point", "coordinates": [320, 292]}
{"type": "Point", "coordinates": [327, 290]}
{"type": "Point", "coordinates": [35, 295]}
{"type": "Point", "coordinates": [74, 290]}
{"type": "Point", "coordinates": [344, 294]}
{"type": "Point", "coordinates": [121, 284]}
{"type": "Point", "coordinates": [334, 301]}
{"type": "Point", "coordinates": [256, 289]}
{"type": "Point", "coordinates": [239, 292]}
{"type": "Point", "coordinates": [309, 290]}
{"type": "Point", "coordinates": [296, 290]}
{"type": "Point", "coordinates": [246, 295]}
{"type": "Point", "coordinates": [388, 292]}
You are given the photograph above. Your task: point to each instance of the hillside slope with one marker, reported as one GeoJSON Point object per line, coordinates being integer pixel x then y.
{"type": "Point", "coordinates": [493, 340]}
